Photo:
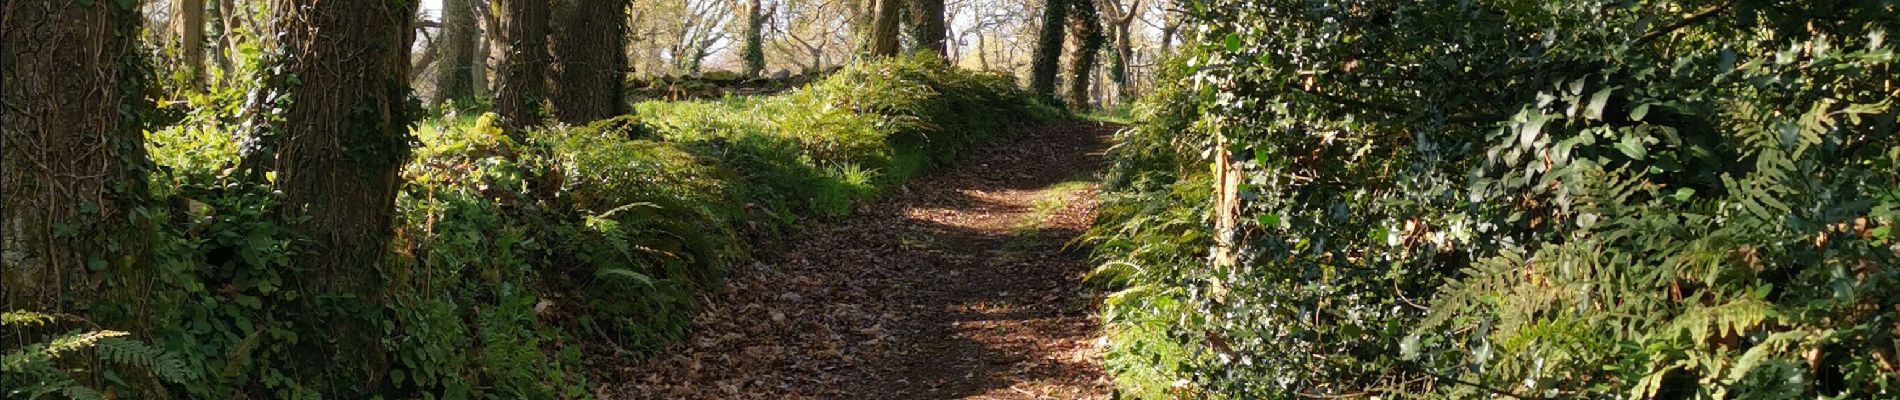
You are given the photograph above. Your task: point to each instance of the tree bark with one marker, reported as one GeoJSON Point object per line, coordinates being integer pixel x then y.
{"type": "Point", "coordinates": [928, 27]}
{"type": "Point", "coordinates": [220, 37]}
{"type": "Point", "coordinates": [589, 60]}
{"type": "Point", "coordinates": [343, 138]}
{"type": "Point", "coordinates": [1122, 22]}
{"type": "Point", "coordinates": [1170, 27]}
{"type": "Point", "coordinates": [524, 63]}
{"type": "Point", "coordinates": [455, 67]}
{"type": "Point", "coordinates": [191, 37]}
{"type": "Point", "coordinates": [754, 47]}
{"type": "Point", "coordinates": [884, 26]}
{"type": "Point", "coordinates": [74, 157]}
{"type": "Point", "coordinates": [1085, 33]}
{"type": "Point", "coordinates": [1046, 62]}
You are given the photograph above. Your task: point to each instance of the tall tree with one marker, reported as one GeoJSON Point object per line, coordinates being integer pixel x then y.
{"type": "Point", "coordinates": [927, 26]}
{"type": "Point", "coordinates": [455, 67]}
{"type": "Point", "coordinates": [884, 25]}
{"type": "Point", "coordinates": [339, 144]}
{"type": "Point", "coordinates": [1121, 22]}
{"type": "Point", "coordinates": [524, 63]}
{"type": "Point", "coordinates": [1047, 61]}
{"type": "Point", "coordinates": [220, 38]}
{"type": "Point", "coordinates": [589, 60]}
{"type": "Point", "coordinates": [753, 51]}
{"type": "Point", "coordinates": [191, 38]}
{"type": "Point", "coordinates": [74, 157]}
{"type": "Point", "coordinates": [1085, 37]}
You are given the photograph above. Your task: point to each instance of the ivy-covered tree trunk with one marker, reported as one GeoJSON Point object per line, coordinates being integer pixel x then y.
{"type": "Point", "coordinates": [524, 63]}
{"type": "Point", "coordinates": [455, 67]}
{"type": "Point", "coordinates": [753, 50]}
{"type": "Point", "coordinates": [589, 60]}
{"type": "Point", "coordinates": [72, 153]}
{"type": "Point", "coordinates": [927, 26]}
{"type": "Point", "coordinates": [884, 26]}
{"type": "Point", "coordinates": [1047, 60]}
{"type": "Point", "coordinates": [1085, 34]}
{"type": "Point", "coordinates": [340, 143]}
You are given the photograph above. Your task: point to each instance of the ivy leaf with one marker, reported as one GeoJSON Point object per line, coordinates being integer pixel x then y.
{"type": "Point", "coordinates": [1269, 220]}
{"type": "Point", "coordinates": [1408, 348]}
{"type": "Point", "coordinates": [1633, 147]}
{"type": "Point", "coordinates": [1233, 42]}
{"type": "Point", "coordinates": [1595, 108]}
{"type": "Point", "coordinates": [1684, 194]}
{"type": "Point", "coordinates": [1640, 112]}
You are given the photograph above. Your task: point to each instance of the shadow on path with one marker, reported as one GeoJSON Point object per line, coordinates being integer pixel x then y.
{"type": "Point", "coordinates": [958, 285]}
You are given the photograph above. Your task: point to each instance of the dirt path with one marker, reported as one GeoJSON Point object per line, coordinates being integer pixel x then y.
{"type": "Point", "coordinates": [959, 285]}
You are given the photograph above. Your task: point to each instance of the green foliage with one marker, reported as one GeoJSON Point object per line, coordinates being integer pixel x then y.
{"type": "Point", "coordinates": [513, 255]}
{"type": "Point", "coordinates": [1669, 199]}
{"type": "Point", "coordinates": [818, 149]}
{"type": "Point", "coordinates": [36, 370]}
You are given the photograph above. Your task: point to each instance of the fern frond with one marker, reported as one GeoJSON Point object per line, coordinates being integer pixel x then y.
{"type": "Point", "coordinates": [20, 318]}
{"type": "Point", "coordinates": [18, 360]}
{"type": "Point", "coordinates": [133, 353]}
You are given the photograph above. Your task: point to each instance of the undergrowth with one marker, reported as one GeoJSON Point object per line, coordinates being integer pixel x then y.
{"type": "Point", "coordinates": [1501, 199]}
{"type": "Point", "coordinates": [517, 257]}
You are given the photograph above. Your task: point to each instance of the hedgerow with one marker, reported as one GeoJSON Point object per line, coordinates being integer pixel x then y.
{"type": "Point", "coordinates": [1651, 199]}
{"type": "Point", "coordinates": [515, 256]}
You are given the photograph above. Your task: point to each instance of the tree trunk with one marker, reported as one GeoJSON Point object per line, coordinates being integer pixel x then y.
{"type": "Point", "coordinates": [1122, 22]}
{"type": "Point", "coordinates": [524, 63]}
{"type": "Point", "coordinates": [73, 154]}
{"type": "Point", "coordinates": [589, 61]}
{"type": "Point", "coordinates": [485, 28]}
{"type": "Point", "coordinates": [754, 48]}
{"type": "Point", "coordinates": [1046, 62]}
{"type": "Point", "coordinates": [455, 67]}
{"type": "Point", "coordinates": [220, 37]}
{"type": "Point", "coordinates": [884, 25]}
{"type": "Point", "coordinates": [1170, 27]}
{"type": "Point", "coordinates": [982, 51]}
{"type": "Point", "coordinates": [343, 138]}
{"type": "Point", "coordinates": [928, 27]}
{"type": "Point", "coordinates": [191, 37]}
{"type": "Point", "coordinates": [227, 38]}
{"type": "Point", "coordinates": [1085, 33]}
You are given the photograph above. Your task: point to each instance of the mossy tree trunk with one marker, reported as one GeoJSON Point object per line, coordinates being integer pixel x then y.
{"type": "Point", "coordinates": [1047, 59]}
{"type": "Point", "coordinates": [590, 60]}
{"type": "Point", "coordinates": [1085, 35]}
{"type": "Point", "coordinates": [340, 143]}
{"type": "Point", "coordinates": [455, 67]}
{"type": "Point", "coordinates": [73, 189]}
{"type": "Point", "coordinates": [927, 26]}
{"type": "Point", "coordinates": [884, 27]}
{"type": "Point", "coordinates": [753, 50]}
{"type": "Point", "coordinates": [524, 63]}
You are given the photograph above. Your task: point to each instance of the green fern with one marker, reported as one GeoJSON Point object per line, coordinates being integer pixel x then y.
{"type": "Point", "coordinates": [137, 354]}
{"type": "Point", "coordinates": [38, 353]}
{"type": "Point", "coordinates": [33, 373]}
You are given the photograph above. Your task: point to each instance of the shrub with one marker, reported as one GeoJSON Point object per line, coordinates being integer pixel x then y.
{"type": "Point", "coordinates": [1568, 199]}
{"type": "Point", "coordinates": [510, 254]}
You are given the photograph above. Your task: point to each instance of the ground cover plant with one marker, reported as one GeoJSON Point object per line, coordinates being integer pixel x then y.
{"type": "Point", "coordinates": [1648, 199]}
{"type": "Point", "coordinates": [515, 254]}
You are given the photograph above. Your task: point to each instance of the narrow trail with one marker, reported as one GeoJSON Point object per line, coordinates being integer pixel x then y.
{"type": "Point", "coordinates": [958, 285]}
